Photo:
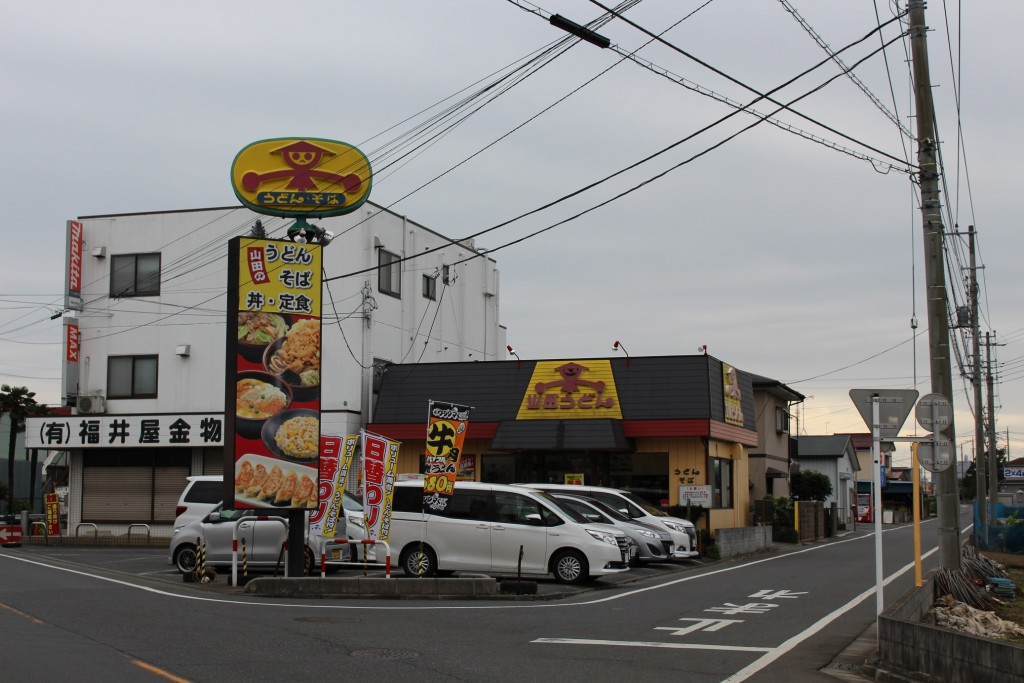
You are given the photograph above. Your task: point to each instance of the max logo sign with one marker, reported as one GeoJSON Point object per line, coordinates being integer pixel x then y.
{"type": "Point", "coordinates": [301, 176]}
{"type": "Point", "coordinates": [566, 390]}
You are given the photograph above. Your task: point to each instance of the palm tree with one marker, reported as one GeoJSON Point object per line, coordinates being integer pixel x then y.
{"type": "Point", "coordinates": [17, 402]}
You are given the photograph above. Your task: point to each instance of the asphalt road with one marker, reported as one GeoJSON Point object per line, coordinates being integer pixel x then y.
{"type": "Point", "coordinates": [101, 614]}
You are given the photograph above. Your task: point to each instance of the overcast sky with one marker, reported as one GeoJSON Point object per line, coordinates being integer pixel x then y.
{"type": "Point", "coordinates": [789, 258]}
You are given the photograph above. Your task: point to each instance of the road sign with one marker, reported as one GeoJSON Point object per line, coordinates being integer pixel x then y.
{"type": "Point", "coordinates": [10, 535]}
{"type": "Point", "coordinates": [893, 407]}
{"type": "Point", "coordinates": [936, 456]}
{"type": "Point", "coordinates": [934, 412]}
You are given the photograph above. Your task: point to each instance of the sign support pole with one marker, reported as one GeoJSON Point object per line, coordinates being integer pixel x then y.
{"type": "Point", "coordinates": [876, 478]}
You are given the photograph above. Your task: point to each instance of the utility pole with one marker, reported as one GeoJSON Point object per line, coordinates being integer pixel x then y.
{"type": "Point", "coordinates": [993, 460]}
{"type": "Point", "coordinates": [979, 415]}
{"type": "Point", "coordinates": [935, 275]}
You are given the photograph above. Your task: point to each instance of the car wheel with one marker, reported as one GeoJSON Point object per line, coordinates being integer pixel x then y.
{"type": "Point", "coordinates": [570, 566]}
{"type": "Point", "coordinates": [185, 558]}
{"type": "Point", "coordinates": [309, 563]}
{"type": "Point", "coordinates": [419, 560]}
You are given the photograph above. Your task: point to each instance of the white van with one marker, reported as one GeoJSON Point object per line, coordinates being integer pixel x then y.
{"type": "Point", "coordinates": [684, 534]}
{"type": "Point", "coordinates": [484, 527]}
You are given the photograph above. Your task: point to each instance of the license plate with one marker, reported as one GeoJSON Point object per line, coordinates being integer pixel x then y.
{"type": "Point", "coordinates": [336, 554]}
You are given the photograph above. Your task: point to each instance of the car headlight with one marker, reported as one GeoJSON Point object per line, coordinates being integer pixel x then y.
{"type": "Point", "coordinates": [675, 526]}
{"type": "Point", "coordinates": [603, 536]}
{"type": "Point", "coordinates": [647, 533]}
{"type": "Point", "coordinates": [357, 520]}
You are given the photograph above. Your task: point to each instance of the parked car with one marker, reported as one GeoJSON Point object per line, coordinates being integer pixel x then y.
{"type": "Point", "coordinates": [261, 535]}
{"type": "Point", "coordinates": [653, 543]}
{"type": "Point", "coordinates": [205, 492]}
{"type": "Point", "coordinates": [202, 493]}
{"type": "Point", "coordinates": [684, 534]}
{"type": "Point", "coordinates": [485, 526]}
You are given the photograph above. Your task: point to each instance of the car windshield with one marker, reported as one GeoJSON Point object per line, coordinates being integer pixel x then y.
{"type": "Point", "coordinates": [609, 511]}
{"type": "Point", "coordinates": [565, 509]}
{"type": "Point", "coordinates": [351, 503]}
{"type": "Point", "coordinates": [647, 507]}
{"type": "Point", "coordinates": [586, 508]}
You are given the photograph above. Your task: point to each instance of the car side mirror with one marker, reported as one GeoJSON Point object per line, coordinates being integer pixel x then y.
{"type": "Point", "coordinates": [213, 517]}
{"type": "Point", "coordinates": [534, 519]}
{"type": "Point", "coordinates": [593, 517]}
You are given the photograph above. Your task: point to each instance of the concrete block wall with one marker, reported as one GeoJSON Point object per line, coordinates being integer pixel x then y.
{"type": "Point", "coordinates": [909, 647]}
{"type": "Point", "coordinates": [743, 540]}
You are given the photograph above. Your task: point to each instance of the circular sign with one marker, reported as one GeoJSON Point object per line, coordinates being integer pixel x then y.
{"type": "Point", "coordinates": [934, 412]}
{"type": "Point", "coordinates": [310, 177]}
{"type": "Point", "coordinates": [935, 456]}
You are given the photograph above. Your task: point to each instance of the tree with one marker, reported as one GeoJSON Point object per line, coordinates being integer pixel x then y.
{"type": "Point", "coordinates": [969, 486]}
{"type": "Point", "coordinates": [17, 402]}
{"type": "Point", "coordinates": [810, 485]}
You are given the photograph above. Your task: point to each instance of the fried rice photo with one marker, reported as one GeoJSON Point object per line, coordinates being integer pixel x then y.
{"type": "Point", "coordinates": [299, 437]}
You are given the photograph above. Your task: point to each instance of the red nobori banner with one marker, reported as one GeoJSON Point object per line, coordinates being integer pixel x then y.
{"type": "Point", "coordinates": [380, 460]}
{"type": "Point", "coordinates": [446, 430]}
{"type": "Point", "coordinates": [335, 461]}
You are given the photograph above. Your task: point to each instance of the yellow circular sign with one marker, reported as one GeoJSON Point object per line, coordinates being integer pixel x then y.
{"type": "Point", "coordinates": [301, 177]}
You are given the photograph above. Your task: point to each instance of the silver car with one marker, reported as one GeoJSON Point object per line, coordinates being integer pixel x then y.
{"type": "Point", "coordinates": [261, 536]}
{"type": "Point", "coordinates": [653, 544]}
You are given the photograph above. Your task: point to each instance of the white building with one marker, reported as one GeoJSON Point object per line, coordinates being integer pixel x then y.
{"type": "Point", "coordinates": [144, 356]}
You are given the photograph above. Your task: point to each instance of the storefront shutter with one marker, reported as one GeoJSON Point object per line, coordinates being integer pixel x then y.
{"type": "Point", "coordinates": [115, 494]}
{"type": "Point", "coordinates": [170, 482]}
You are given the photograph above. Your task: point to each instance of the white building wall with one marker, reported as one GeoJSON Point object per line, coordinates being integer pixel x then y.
{"type": "Point", "coordinates": [191, 306]}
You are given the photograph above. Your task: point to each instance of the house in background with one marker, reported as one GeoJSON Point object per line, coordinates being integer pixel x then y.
{"type": "Point", "coordinates": [769, 460]}
{"type": "Point", "coordinates": [835, 457]}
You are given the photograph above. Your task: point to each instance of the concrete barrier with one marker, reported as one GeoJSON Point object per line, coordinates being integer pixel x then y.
{"type": "Point", "coordinates": [370, 586]}
{"type": "Point", "coordinates": [908, 647]}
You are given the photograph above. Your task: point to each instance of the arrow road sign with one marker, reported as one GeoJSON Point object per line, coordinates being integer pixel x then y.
{"type": "Point", "coordinates": [10, 534]}
{"type": "Point", "coordinates": [893, 407]}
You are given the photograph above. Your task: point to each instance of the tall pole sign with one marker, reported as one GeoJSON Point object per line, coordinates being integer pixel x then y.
{"type": "Point", "coordinates": [273, 346]}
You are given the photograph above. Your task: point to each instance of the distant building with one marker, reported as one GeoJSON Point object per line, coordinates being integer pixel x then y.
{"type": "Point", "coordinates": [769, 460]}
{"type": "Point", "coordinates": [835, 457]}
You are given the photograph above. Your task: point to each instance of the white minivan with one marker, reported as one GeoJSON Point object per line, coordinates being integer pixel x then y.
{"type": "Point", "coordinates": [684, 534]}
{"type": "Point", "coordinates": [485, 525]}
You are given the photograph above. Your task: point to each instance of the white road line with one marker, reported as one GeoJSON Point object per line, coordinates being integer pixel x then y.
{"type": "Point", "coordinates": [640, 643]}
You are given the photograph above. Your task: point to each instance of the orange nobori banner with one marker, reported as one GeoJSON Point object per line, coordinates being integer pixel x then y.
{"type": "Point", "coordinates": [380, 460]}
{"type": "Point", "coordinates": [446, 431]}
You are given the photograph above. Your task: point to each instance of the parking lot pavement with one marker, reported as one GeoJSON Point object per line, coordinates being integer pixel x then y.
{"type": "Point", "coordinates": [151, 564]}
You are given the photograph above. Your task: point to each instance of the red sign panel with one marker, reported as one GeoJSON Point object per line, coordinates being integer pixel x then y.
{"type": "Point", "coordinates": [72, 343]}
{"type": "Point", "coordinates": [52, 515]}
{"type": "Point", "coordinates": [10, 535]}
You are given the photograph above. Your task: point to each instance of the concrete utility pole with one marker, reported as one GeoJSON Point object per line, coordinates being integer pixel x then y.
{"type": "Point", "coordinates": [993, 460]}
{"type": "Point", "coordinates": [935, 275]}
{"type": "Point", "coordinates": [979, 415]}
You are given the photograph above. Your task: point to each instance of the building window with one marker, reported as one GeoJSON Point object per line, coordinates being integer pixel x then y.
{"type": "Point", "coordinates": [131, 376]}
{"type": "Point", "coordinates": [781, 420]}
{"type": "Point", "coordinates": [135, 275]}
{"type": "Point", "coordinates": [429, 287]}
{"type": "Point", "coordinates": [721, 483]}
{"type": "Point", "coordinates": [389, 273]}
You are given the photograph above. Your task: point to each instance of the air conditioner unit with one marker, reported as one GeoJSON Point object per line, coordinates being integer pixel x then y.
{"type": "Point", "coordinates": [91, 405]}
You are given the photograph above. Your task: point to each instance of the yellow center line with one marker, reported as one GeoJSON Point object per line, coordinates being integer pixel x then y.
{"type": "Point", "coordinates": [159, 672]}
{"type": "Point", "coordinates": [22, 614]}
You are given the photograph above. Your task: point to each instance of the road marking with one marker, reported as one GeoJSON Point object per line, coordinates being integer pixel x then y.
{"type": "Point", "coordinates": [159, 672]}
{"type": "Point", "coordinates": [22, 614]}
{"type": "Point", "coordinates": [641, 643]}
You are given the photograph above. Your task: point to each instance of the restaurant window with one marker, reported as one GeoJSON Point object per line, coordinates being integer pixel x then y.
{"type": "Point", "coordinates": [389, 273]}
{"type": "Point", "coordinates": [429, 287]}
{"type": "Point", "coordinates": [781, 420]}
{"type": "Point", "coordinates": [721, 483]}
{"type": "Point", "coordinates": [131, 376]}
{"type": "Point", "coordinates": [135, 275]}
